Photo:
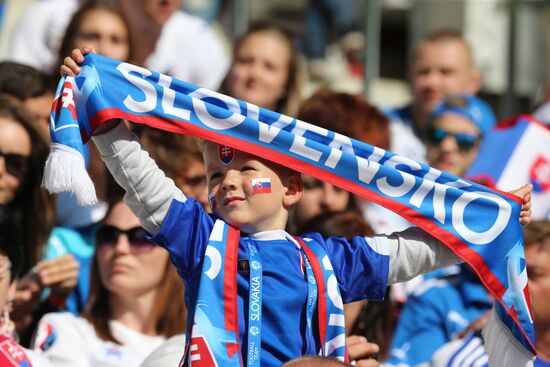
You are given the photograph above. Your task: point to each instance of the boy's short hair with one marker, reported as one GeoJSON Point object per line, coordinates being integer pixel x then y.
{"type": "Point", "coordinates": [536, 231]}
{"type": "Point", "coordinates": [314, 361]}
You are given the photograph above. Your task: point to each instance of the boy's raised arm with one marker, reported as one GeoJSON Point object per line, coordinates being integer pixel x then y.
{"type": "Point", "coordinates": [414, 252]}
{"type": "Point", "coordinates": [149, 192]}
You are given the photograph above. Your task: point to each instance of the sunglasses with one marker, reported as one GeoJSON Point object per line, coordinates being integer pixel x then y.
{"type": "Point", "coordinates": [16, 164]}
{"type": "Point", "coordinates": [107, 237]}
{"type": "Point", "coordinates": [465, 142]}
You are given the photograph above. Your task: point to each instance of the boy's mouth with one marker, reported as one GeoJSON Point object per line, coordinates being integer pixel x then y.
{"type": "Point", "coordinates": [232, 200]}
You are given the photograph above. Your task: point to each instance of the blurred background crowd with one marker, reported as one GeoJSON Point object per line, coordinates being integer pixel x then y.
{"type": "Point", "coordinates": [462, 85]}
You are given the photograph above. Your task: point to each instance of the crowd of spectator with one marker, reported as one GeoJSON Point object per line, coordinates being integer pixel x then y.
{"type": "Point", "coordinates": [83, 286]}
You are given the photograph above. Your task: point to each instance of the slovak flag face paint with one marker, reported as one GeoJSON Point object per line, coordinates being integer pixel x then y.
{"type": "Point", "coordinates": [226, 154]}
{"type": "Point", "coordinates": [212, 201]}
{"type": "Point", "coordinates": [261, 185]}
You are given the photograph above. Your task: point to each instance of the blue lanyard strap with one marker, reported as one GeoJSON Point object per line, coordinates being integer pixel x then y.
{"type": "Point", "coordinates": [254, 307]}
{"type": "Point", "coordinates": [312, 294]}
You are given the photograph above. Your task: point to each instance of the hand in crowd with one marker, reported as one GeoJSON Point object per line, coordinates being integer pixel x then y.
{"type": "Point", "coordinates": [524, 193]}
{"type": "Point", "coordinates": [59, 274]}
{"type": "Point", "coordinates": [361, 351]}
{"type": "Point", "coordinates": [70, 63]}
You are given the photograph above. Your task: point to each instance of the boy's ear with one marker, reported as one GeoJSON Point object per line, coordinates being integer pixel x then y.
{"type": "Point", "coordinates": [294, 190]}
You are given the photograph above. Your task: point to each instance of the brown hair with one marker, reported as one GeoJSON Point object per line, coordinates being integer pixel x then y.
{"type": "Point", "coordinates": [536, 231]}
{"type": "Point", "coordinates": [347, 223]}
{"type": "Point", "coordinates": [169, 308]}
{"type": "Point", "coordinates": [347, 114]}
{"type": "Point", "coordinates": [170, 151]}
{"type": "Point", "coordinates": [73, 29]}
{"type": "Point", "coordinates": [33, 206]}
{"type": "Point", "coordinates": [290, 102]}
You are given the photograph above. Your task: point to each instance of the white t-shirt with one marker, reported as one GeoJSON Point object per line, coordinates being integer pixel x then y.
{"type": "Point", "coordinates": [67, 340]}
{"type": "Point", "coordinates": [188, 48]}
{"type": "Point", "coordinates": [37, 36]}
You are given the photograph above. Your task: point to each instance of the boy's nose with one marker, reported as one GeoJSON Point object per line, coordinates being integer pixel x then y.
{"type": "Point", "coordinates": [229, 182]}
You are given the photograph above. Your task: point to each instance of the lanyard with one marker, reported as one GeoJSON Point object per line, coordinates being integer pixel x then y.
{"type": "Point", "coordinates": [254, 307]}
{"type": "Point", "coordinates": [311, 301]}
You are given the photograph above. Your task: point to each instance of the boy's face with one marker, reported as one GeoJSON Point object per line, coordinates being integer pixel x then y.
{"type": "Point", "coordinates": [248, 192]}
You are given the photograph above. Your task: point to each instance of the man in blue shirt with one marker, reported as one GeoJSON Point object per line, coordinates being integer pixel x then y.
{"type": "Point", "coordinates": [442, 65]}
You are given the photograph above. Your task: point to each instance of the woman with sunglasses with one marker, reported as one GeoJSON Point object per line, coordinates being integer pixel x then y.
{"type": "Point", "coordinates": [23, 152]}
{"type": "Point", "coordinates": [455, 130]}
{"type": "Point", "coordinates": [135, 304]}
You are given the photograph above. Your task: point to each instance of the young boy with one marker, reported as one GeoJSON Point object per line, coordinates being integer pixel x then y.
{"type": "Point", "coordinates": [273, 309]}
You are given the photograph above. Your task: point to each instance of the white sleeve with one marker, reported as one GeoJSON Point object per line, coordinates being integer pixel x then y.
{"type": "Point", "coordinates": [414, 252]}
{"type": "Point", "coordinates": [149, 192]}
{"type": "Point", "coordinates": [69, 338]}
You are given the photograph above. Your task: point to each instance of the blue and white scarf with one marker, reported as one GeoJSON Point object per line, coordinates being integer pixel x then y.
{"type": "Point", "coordinates": [477, 223]}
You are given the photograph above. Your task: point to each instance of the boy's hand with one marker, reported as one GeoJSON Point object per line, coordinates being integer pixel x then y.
{"type": "Point", "coordinates": [524, 193]}
{"type": "Point", "coordinates": [362, 353]}
{"type": "Point", "coordinates": [70, 63]}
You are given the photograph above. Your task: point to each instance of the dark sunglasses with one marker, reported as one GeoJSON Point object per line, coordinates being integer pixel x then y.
{"type": "Point", "coordinates": [465, 142]}
{"type": "Point", "coordinates": [107, 236]}
{"type": "Point", "coordinates": [16, 164]}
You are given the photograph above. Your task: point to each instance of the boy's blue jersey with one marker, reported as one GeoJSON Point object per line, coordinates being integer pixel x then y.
{"type": "Point", "coordinates": [361, 271]}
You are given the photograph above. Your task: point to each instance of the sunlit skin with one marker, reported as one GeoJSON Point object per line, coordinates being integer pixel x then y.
{"type": "Point", "coordinates": [13, 139]}
{"type": "Point", "coordinates": [41, 108]}
{"type": "Point", "coordinates": [259, 73]}
{"type": "Point", "coordinates": [232, 188]}
{"type": "Point", "coordinates": [106, 33]}
{"type": "Point", "coordinates": [446, 155]}
{"type": "Point", "coordinates": [127, 274]}
{"type": "Point", "coordinates": [440, 69]}
{"type": "Point", "coordinates": [537, 257]}
{"type": "Point", "coordinates": [319, 197]}
{"type": "Point", "coordinates": [193, 181]}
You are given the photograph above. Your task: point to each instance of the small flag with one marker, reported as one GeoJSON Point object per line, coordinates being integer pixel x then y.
{"type": "Point", "coordinates": [261, 185]}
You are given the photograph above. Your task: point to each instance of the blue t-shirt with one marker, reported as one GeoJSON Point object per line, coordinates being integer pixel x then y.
{"type": "Point", "coordinates": [434, 314]}
{"type": "Point", "coordinates": [361, 272]}
{"type": "Point", "coordinates": [541, 362]}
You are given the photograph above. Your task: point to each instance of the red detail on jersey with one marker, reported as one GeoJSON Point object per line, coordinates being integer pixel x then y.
{"type": "Point", "coordinates": [200, 354]}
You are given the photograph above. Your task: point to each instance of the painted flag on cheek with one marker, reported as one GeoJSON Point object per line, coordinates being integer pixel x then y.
{"type": "Point", "coordinates": [261, 185]}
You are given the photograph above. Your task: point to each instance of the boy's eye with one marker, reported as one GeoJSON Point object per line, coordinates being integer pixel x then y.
{"type": "Point", "coordinates": [247, 168]}
{"type": "Point", "coordinates": [215, 175]}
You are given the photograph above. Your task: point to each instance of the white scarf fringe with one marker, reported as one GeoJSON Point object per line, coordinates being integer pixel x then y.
{"type": "Point", "coordinates": [65, 170]}
{"type": "Point", "coordinates": [503, 349]}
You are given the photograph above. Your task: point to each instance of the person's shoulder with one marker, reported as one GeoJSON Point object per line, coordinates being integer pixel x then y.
{"type": "Point", "coordinates": [64, 321]}
{"type": "Point", "coordinates": [56, 325]}
{"type": "Point", "coordinates": [398, 114]}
